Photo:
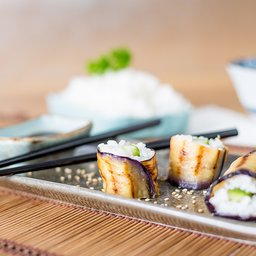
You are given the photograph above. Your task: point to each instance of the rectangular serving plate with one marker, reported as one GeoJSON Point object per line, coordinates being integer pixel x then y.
{"type": "Point", "coordinates": [81, 185]}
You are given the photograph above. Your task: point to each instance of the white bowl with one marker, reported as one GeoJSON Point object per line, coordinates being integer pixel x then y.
{"type": "Point", "coordinates": [243, 75]}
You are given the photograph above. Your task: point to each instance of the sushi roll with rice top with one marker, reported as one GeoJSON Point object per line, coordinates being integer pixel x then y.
{"type": "Point", "coordinates": [195, 162]}
{"type": "Point", "coordinates": [136, 151]}
{"type": "Point", "coordinates": [234, 195]}
{"type": "Point", "coordinates": [128, 169]}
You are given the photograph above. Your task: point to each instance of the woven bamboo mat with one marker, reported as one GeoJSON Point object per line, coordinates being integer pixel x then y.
{"type": "Point", "coordinates": [36, 226]}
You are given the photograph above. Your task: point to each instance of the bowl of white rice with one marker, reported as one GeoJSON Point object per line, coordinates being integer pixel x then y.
{"type": "Point", "coordinates": [117, 99]}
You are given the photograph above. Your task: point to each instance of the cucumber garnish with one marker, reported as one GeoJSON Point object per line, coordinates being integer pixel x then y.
{"type": "Point", "coordinates": [134, 149]}
{"type": "Point", "coordinates": [237, 194]}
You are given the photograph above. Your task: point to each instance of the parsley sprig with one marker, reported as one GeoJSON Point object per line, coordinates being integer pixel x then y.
{"type": "Point", "coordinates": [115, 60]}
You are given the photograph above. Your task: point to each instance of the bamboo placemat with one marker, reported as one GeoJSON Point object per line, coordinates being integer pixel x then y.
{"type": "Point", "coordinates": [35, 226]}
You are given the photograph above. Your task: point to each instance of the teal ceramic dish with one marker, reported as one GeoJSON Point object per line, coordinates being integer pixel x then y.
{"type": "Point", "coordinates": [40, 132]}
{"type": "Point", "coordinates": [170, 124]}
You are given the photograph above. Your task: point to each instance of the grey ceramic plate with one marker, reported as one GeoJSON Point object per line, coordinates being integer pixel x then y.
{"type": "Point", "coordinates": [184, 209]}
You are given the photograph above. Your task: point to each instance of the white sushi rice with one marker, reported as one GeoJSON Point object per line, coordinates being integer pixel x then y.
{"type": "Point", "coordinates": [125, 148]}
{"type": "Point", "coordinates": [212, 143]}
{"type": "Point", "coordinates": [128, 92]}
{"type": "Point", "coordinates": [244, 208]}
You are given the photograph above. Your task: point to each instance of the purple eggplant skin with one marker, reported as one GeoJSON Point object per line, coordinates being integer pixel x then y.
{"type": "Point", "coordinates": [141, 172]}
{"type": "Point", "coordinates": [208, 196]}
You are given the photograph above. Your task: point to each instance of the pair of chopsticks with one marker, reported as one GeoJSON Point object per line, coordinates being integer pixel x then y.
{"type": "Point", "coordinates": [156, 145]}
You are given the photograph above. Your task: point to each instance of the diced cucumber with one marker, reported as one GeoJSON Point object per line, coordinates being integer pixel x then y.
{"type": "Point", "coordinates": [237, 194]}
{"type": "Point", "coordinates": [201, 140]}
{"type": "Point", "coordinates": [134, 149]}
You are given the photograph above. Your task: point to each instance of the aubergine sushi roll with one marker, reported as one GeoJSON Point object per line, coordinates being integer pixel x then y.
{"type": "Point", "coordinates": [234, 195]}
{"type": "Point", "coordinates": [128, 169]}
{"type": "Point", "coordinates": [195, 162]}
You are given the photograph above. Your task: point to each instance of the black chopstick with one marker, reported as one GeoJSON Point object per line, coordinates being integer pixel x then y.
{"type": "Point", "coordinates": [156, 145]}
{"type": "Point", "coordinates": [165, 143]}
{"type": "Point", "coordinates": [49, 164]}
{"type": "Point", "coordinates": [60, 147]}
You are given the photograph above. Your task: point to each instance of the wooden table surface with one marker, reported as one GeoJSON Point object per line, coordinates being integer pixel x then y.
{"type": "Point", "coordinates": [46, 43]}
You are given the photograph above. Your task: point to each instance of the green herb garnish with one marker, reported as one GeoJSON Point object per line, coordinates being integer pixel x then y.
{"type": "Point", "coordinates": [115, 60]}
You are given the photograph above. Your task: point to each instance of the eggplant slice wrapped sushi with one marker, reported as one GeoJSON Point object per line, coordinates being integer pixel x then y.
{"type": "Point", "coordinates": [127, 169]}
{"type": "Point", "coordinates": [234, 194]}
{"type": "Point", "coordinates": [195, 162]}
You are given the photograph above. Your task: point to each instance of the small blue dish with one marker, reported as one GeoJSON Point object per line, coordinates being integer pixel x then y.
{"type": "Point", "coordinates": [246, 63]}
{"type": "Point", "coordinates": [40, 132]}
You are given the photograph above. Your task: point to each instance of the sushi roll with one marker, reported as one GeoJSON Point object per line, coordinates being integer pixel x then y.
{"type": "Point", "coordinates": [128, 169]}
{"type": "Point", "coordinates": [234, 194]}
{"type": "Point", "coordinates": [195, 162]}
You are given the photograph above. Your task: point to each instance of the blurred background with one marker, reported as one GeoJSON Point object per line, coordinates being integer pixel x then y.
{"type": "Point", "coordinates": [45, 43]}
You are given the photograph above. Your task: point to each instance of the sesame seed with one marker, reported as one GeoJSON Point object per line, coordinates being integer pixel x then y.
{"type": "Point", "coordinates": [58, 169]}
{"type": "Point", "coordinates": [147, 199]}
{"type": "Point", "coordinates": [193, 197]}
{"type": "Point", "coordinates": [91, 188]}
{"type": "Point", "coordinates": [173, 193]}
{"type": "Point", "coordinates": [139, 199]}
{"type": "Point", "coordinates": [78, 171]}
{"type": "Point", "coordinates": [69, 176]}
{"type": "Point", "coordinates": [83, 171]}
{"type": "Point", "coordinates": [87, 183]}
{"type": "Point", "coordinates": [184, 207]}
{"type": "Point", "coordinates": [94, 181]}
{"type": "Point", "coordinates": [166, 199]}
{"type": "Point", "coordinates": [184, 190]}
{"type": "Point", "coordinates": [29, 174]}
{"type": "Point", "coordinates": [179, 197]}
{"type": "Point", "coordinates": [178, 206]}
{"type": "Point", "coordinates": [165, 204]}
{"type": "Point", "coordinates": [189, 193]}
{"type": "Point", "coordinates": [200, 210]}
{"type": "Point", "coordinates": [177, 190]}
{"type": "Point", "coordinates": [205, 192]}
{"type": "Point", "coordinates": [90, 175]}
{"type": "Point", "coordinates": [67, 170]}
{"type": "Point", "coordinates": [62, 178]}
{"type": "Point", "coordinates": [155, 202]}
{"type": "Point", "coordinates": [77, 178]}
{"type": "Point", "coordinates": [193, 201]}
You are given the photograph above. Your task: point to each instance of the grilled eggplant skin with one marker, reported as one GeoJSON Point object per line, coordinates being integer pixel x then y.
{"type": "Point", "coordinates": [247, 161]}
{"type": "Point", "coordinates": [151, 167]}
{"type": "Point", "coordinates": [218, 184]}
{"type": "Point", "coordinates": [193, 165]}
{"type": "Point", "coordinates": [127, 177]}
